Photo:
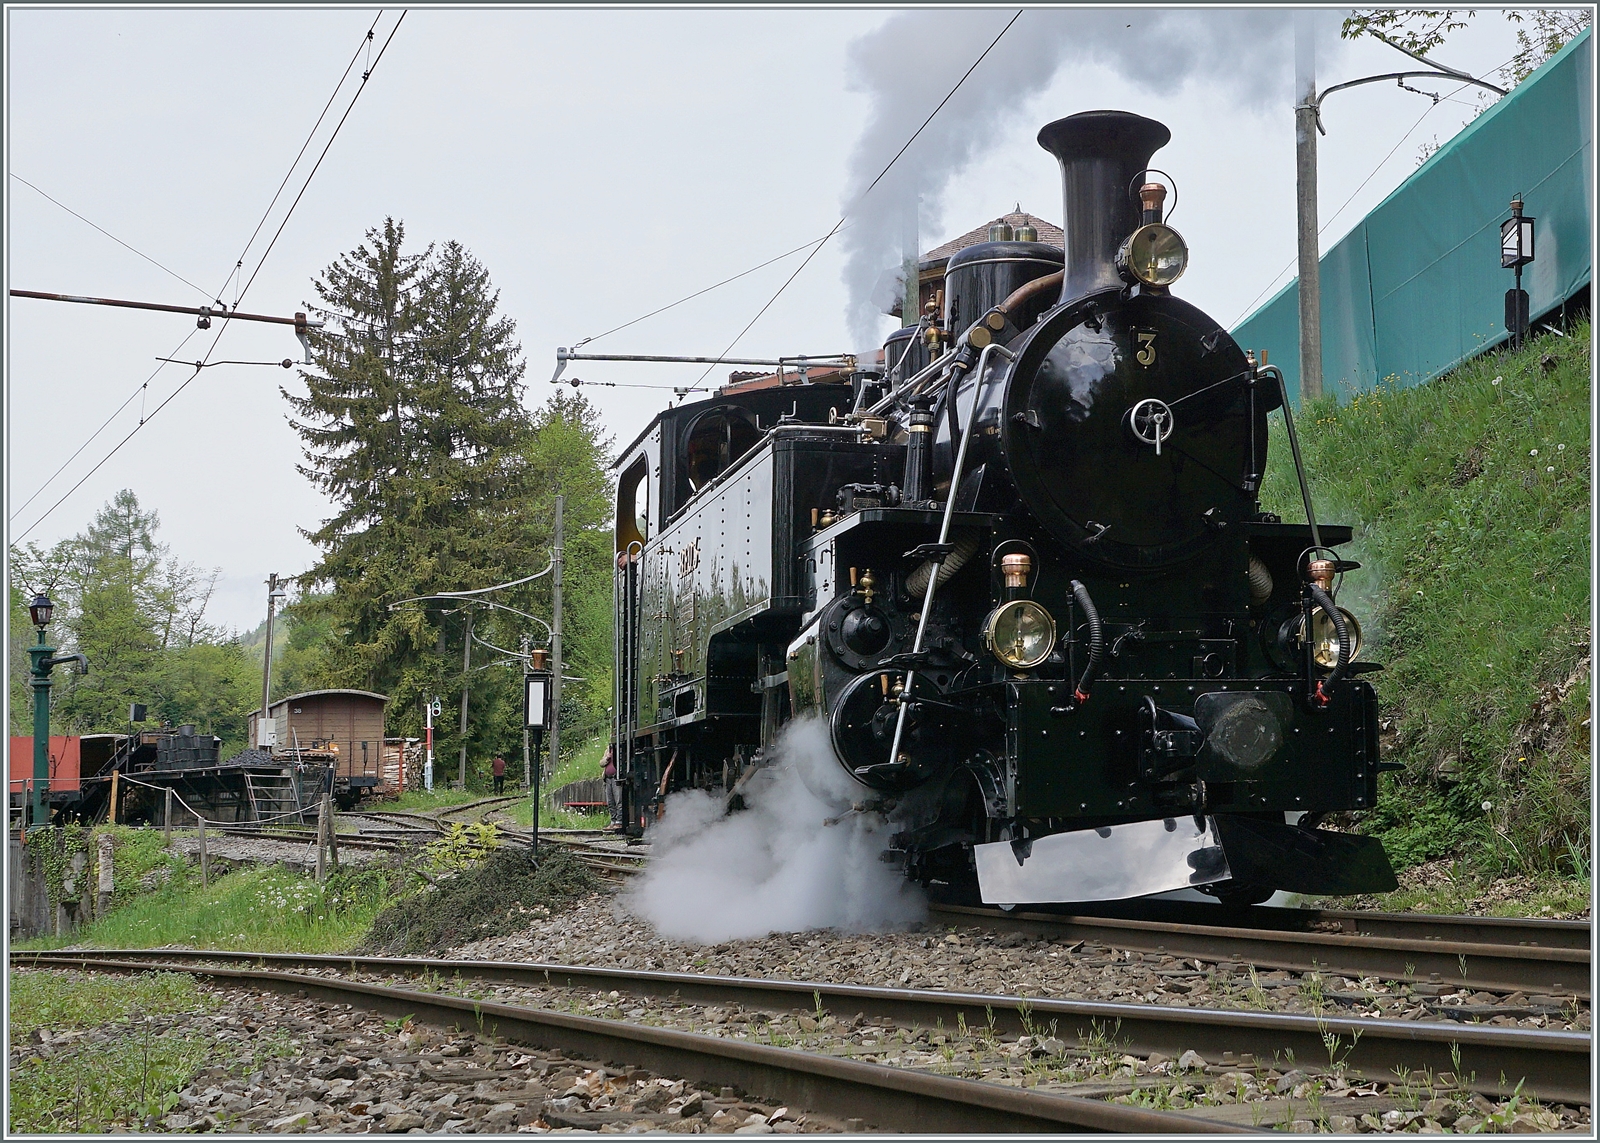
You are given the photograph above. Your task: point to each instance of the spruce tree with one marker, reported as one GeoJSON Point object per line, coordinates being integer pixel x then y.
{"type": "Point", "coordinates": [413, 425]}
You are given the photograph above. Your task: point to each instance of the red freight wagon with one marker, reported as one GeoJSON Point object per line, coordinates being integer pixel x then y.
{"type": "Point", "coordinates": [64, 755]}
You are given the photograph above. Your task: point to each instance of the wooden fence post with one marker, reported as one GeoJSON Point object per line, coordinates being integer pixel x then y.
{"type": "Point", "coordinates": [115, 774]}
{"type": "Point", "coordinates": [205, 863]}
{"type": "Point", "coordinates": [107, 885]}
{"type": "Point", "coordinates": [333, 831]}
{"type": "Point", "coordinates": [166, 819]}
{"type": "Point", "coordinates": [322, 838]}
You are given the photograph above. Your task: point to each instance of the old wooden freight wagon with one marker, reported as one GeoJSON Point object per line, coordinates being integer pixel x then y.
{"type": "Point", "coordinates": [341, 728]}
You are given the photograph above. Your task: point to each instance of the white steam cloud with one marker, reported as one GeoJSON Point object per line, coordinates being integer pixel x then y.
{"type": "Point", "coordinates": [773, 867]}
{"type": "Point", "coordinates": [910, 63]}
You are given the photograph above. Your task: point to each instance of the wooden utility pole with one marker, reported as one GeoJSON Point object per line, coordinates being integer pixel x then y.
{"type": "Point", "coordinates": [273, 595]}
{"type": "Point", "coordinates": [466, 667]}
{"type": "Point", "coordinates": [557, 559]}
{"type": "Point", "coordinates": [1305, 168]}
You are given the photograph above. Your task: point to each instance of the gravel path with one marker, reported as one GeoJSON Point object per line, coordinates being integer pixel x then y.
{"type": "Point", "coordinates": [967, 959]}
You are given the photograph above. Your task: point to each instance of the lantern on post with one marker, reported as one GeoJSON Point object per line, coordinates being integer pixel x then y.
{"type": "Point", "coordinates": [536, 717]}
{"type": "Point", "coordinates": [1516, 251]}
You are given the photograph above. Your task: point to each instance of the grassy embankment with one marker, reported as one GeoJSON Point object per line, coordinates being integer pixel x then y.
{"type": "Point", "coordinates": [160, 899]}
{"type": "Point", "coordinates": [1470, 498]}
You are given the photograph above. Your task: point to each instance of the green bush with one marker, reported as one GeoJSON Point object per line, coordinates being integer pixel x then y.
{"type": "Point", "coordinates": [1470, 500]}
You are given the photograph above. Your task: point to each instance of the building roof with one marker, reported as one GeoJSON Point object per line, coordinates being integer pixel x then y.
{"type": "Point", "coordinates": [1048, 232]}
{"type": "Point", "coordinates": [319, 694]}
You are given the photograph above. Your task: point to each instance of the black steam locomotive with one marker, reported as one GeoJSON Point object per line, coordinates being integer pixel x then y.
{"type": "Point", "coordinates": [1022, 574]}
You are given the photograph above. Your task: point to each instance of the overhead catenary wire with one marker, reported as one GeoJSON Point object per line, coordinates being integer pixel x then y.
{"type": "Point", "coordinates": [143, 388]}
{"type": "Point", "coordinates": [366, 42]}
{"type": "Point", "coordinates": [697, 293]}
{"type": "Point", "coordinates": [818, 248]}
{"type": "Point", "coordinates": [366, 76]}
{"type": "Point", "coordinates": [113, 237]}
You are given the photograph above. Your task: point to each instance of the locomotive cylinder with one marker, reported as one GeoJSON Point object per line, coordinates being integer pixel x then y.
{"type": "Point", "coordinates": [1101, 153]}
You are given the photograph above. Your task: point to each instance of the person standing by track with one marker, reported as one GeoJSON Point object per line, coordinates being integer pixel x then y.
{"type": "Point", "coordinates": [499, 774]}
{"type": "Point", "coordinates": [613, 787]}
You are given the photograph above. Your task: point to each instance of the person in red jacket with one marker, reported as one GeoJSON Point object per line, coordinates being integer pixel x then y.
{"type": "Point", "coordinates": [499, 774]}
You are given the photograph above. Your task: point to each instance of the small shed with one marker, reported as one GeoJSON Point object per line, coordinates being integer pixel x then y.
{"type": "Point", "coordinates": [348, 721]}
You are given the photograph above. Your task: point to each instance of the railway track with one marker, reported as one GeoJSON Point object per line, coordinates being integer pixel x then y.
{"type": "Point", "coordinates": [1550, 959]}
{"type": "Point", "coordinates": [1495, 965]}
{"type": "Point", "coordinates": [1553, 1065]}
{"type": "Point", "coordinates": [886, 1098]}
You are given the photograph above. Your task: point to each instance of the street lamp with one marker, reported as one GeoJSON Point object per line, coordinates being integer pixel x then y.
{"type": "Point", "coordinates": [536, 717]}
{"type": "Point", "coordinates": [44, 660]}
{"type": "Point", "coordinates": [1516, 251]}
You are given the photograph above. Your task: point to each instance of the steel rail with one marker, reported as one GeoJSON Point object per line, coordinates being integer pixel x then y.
{"type": "Point", "coordinates": [1372, 923]}
{"type": "Point", "coordinates": [1496, 967]}
{"type": "Point", "coordinates": [1554, 1065]}
{"type": "Point", "coordinates": [888, 1098]}
{"type": "Point", "coordinates": [308, 836]}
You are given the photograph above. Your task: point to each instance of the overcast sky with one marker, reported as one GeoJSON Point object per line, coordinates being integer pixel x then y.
{"type": "Point", "coordinates": [600, 164]}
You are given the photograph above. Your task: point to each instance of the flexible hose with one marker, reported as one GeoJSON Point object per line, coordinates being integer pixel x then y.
{"type": "Point", "coordinates": [917, 581]}
{"type": "Point", "coordinates": [1260, 580]}
{"type": "Point", "coordinates": [1324, 601]}
{"type": "Point", "coordinates": [1097, 641]}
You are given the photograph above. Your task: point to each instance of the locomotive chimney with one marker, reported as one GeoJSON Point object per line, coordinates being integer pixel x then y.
{"type": "Point", "coordinates": [1101, 153]}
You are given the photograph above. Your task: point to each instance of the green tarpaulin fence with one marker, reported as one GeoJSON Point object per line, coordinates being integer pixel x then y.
{"type": "Point", "coordinates": [1416, 288]}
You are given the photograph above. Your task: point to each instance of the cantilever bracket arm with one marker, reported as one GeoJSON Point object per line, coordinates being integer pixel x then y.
{"type": "Point", "coordinates": [1397, 76]}
{"type": "Point", "coordinates": [81, 660]}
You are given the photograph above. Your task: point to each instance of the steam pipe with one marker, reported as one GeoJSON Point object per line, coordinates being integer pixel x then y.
{"type": "Point", "coordinates": [1324, 601]}
{"type": "Point", "coordinates": [1025, 294]}
{"type": "Point", "coordinates": [1097, 642]}
{"type": "Point", "coordinates": [944, 538]}
{"type": "Point", "coordinates": [906, 387]}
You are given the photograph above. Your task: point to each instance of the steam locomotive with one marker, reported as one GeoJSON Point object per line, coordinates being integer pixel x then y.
{"type": "Point", "coordinates": [1021, 574]}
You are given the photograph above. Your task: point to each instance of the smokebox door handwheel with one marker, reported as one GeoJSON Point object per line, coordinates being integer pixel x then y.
{"type": "Point", "coordinates": [1117, 412]}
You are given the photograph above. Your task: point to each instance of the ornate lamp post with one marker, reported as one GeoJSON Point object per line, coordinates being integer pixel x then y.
{"type": "Point", "coordinates": [44, 661]}
{"type": "Point", "coordinates": [1516, 251]}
